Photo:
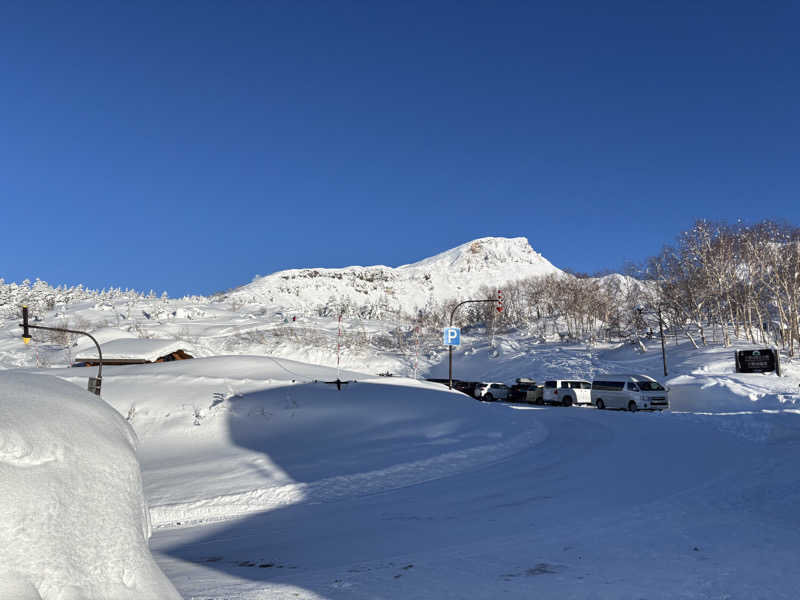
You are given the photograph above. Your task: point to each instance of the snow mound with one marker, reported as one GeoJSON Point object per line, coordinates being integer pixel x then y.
{"type": "Point", "coordinates": [102, 335]}
{"type": "Point", "coordinates": [728, 393]}
{"type": "Point", "coordinates": [73, 522]}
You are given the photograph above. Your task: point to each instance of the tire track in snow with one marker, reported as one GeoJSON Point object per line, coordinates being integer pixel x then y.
{"type": "Point", "coordinates": [232, 506]}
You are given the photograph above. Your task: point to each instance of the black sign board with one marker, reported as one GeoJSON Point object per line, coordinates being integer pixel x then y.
{"type": "Point", "coordinates": [757, 361]}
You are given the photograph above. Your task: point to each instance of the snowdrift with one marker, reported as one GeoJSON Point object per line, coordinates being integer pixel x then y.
{"type": "Point", "coordinates": [730, 393]}
{"type": "Point", "coordinates": [73, 522]}
{"type": "Point", "coordinates": [228, 436]}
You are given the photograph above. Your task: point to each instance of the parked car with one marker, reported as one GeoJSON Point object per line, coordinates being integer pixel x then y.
{"type": "Point", "coordinates": [634, 392]}
{"type": "Point", "coordinates": [468, 387]}
{"type": "Point", "coordinates": [525, 390]}
{"type": "Point", "coordinates": [491, 391]}
{"type": "Point", "coordinates": [567, 392]}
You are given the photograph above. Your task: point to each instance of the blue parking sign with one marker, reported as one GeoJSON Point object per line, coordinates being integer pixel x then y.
{"type": "Point", "coordinates": [452, 336]}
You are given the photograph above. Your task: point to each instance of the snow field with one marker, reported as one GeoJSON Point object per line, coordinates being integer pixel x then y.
{"type": "Point", "coordinates": [611, 505]}
{"type": "Point", "coordinates": [242, 438]}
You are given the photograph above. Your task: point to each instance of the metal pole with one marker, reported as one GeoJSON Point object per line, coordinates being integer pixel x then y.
{"type": "Point", "coordinates": [416, 353]}
{"type": "Point", "coordinates": [450, 379]}
{"type": "Point", "coordinates": [339, 350]}
{"type": "Point", "coordinates": [663, 349]}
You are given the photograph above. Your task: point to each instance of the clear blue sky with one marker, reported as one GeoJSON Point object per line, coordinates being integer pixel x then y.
{"type": "Point", "coordinates": [187, 146]}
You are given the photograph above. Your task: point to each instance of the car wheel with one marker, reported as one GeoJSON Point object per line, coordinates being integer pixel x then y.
{"type": "Point", "coordinates": [566, 401]}
{"type": "Point", "coordinates": [488, 397]}
{"type": "Point", "coordinates": [632, 406]}
{"type": "Point", "coordinates": [600, 404]}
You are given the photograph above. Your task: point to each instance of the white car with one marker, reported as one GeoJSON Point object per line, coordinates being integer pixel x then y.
{"type": "Point", "coordinates": [491, 391]}
{"type": "Point", "coordinates": [633, 392]}
{"type": "Point", "coordinates": [567, 392]}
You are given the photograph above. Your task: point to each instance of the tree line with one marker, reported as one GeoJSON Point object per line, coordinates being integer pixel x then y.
{"type": "Point", "coordinates": [740, 279]}
{"type": "Point", "coordinates": [715, 283]}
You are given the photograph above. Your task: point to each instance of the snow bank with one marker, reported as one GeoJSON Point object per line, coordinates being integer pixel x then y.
{"type": "Point", "coordinates": [73, 523]}
{"type": "Point", "coordinates": [728, 393]}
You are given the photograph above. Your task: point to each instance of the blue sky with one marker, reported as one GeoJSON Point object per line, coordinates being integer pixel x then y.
{"type": "Point", "coordinates": [187, 146]}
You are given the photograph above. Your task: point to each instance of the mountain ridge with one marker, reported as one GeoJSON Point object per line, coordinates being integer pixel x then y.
{"type": "Point", "coordinates": [371, 291]}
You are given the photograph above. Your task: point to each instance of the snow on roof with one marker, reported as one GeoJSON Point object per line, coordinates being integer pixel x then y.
{"type": "Point", "coordinates": [134, 349]}
{"type": "Point", "coordinates": [73, 519]}
{"type": "Point", "coordinates": [102, 335]}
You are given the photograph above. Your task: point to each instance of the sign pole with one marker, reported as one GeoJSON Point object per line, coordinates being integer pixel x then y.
{"type": "Point", "coordinates": [663, 349]}
{"type": "Point", "coordinates": [338, 349]}
{"type": "Point", "coordinates": [416, 353]}
{"type": "Point", "coordinates": [499, 300]}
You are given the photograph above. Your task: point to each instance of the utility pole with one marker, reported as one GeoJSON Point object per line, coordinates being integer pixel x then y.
{"type": "Point", "coordinates": [663, 348]}
{"type": "Point", "coordinates": [339, 351]}
{"type": "Point", "coordinates": [416, 352]}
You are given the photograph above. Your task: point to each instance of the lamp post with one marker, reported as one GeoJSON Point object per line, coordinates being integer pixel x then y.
{"type": "Point", "coordinates": [663, 348]}
{"type": "Point", "coordinates": [640, 309]}
{"type": "Point", "coordinates": [94, 382]}
{"type": "Point", "coordinates": [452, 313]}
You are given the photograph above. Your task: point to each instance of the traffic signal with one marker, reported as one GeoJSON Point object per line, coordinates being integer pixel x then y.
{"type": "Point", "coordinates": [26, 336]}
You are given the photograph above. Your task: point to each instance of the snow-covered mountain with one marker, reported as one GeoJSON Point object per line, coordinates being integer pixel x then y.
{"type": "Point", "coordinates": [372, 291]}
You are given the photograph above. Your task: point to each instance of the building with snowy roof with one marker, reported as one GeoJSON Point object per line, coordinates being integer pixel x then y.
{"type": "Point", "coordinates": [135, 351]}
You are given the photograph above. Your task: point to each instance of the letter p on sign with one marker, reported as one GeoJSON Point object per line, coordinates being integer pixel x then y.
{"type": "Point", "coordinates": [452, 336]}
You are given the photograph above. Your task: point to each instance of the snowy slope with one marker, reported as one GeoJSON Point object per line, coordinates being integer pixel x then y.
{"type": "Point", "coordinates": [376, 290]}
{"type": "Point", "coordinates": [206, 425]}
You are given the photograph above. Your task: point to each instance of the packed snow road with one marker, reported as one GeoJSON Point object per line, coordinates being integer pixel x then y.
{"type": "Point", "coordinates": [608, 505]}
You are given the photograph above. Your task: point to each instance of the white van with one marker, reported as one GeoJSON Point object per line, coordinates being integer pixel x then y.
{"type": "Point", "coordinates": [633, 392]}
{"type": "Point", "coordinates": [567, 392]}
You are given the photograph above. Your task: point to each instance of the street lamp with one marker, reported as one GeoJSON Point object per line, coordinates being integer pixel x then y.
{"type": "Point", "coordinates": [639, 309]}
{"type": "Point", "coordinates": [94, 382]}
{"type": "Point", "coordinates": [663, 345]}
{"type": "Point", "coordinates": [453, 312]}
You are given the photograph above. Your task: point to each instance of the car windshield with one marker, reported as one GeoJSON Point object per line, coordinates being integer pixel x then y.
{"type": "Point", "coordinates": [650, 386]}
